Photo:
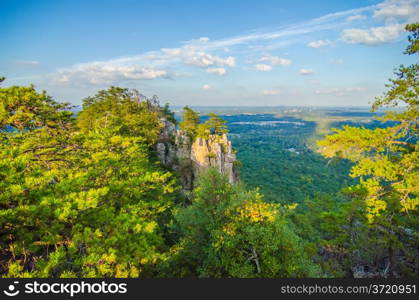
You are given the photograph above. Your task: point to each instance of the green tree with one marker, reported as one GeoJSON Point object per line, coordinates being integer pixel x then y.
{"type": "Point", "coordinates": [386, 161]}
{"type": "Point", "coordinates": [190, 121]}
{"type": "Point", "coordinates": [386, 158]}
{"type": "Point", "coordinates": [203, 131]}
{"type": "Point", "coordinates": [85, 200]}
{"type": "Point", "coordinates": [230, 232]}
{"type": "Point", "coordinates": [216, 125]}
{"type": "Point", "coordinates": [24, 108]}
{"type": "Point", "coordinates": [121, 111]}
{"type": "Point", "coordinates": [168, 114]}
{"type": "Point", "coordinates": [413, 38]}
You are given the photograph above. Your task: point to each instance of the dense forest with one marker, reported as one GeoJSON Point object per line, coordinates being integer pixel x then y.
{"type": "Point", "coordinates": [276, 157]}
{"type": "Point", "coordinates": [85, 195]}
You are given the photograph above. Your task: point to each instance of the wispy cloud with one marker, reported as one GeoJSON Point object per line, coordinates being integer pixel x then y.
{"type": "Point", "coordinates": [319, 43]}
{"type": "Point", "coordinates": [341, 91]}
{"type": "Point", "coordinates": [306, 72]}
{"type": "Point", "coordinates": [373, 36]}
{"type": "Point", "coordinates": [217, 71]}
{"type": "Point", "coordinates": [150, 65]}
{"type": "Point", "coordinates": [395, 13]}
{"type": "Point", "coordinates": [356, 18]}
{"type": "Point", "coordinates": [275, 60]}
{"type": "Point", "coordinates": [191, 56]}
{"type": "Point", "coordinates": [328, 21]}
{"type": "Point", "coordinates": [27, 62]}
{"type": "Point", "coordinates": [405, 10]}
{"type": "Point", "coordinates": [270, 92]}
{"type": "Point", "coordinates": [216, 56]}
{"type": "Point", "coordinates": [263, 67]}
{"type": "Point", "coordinates": [99, 73]}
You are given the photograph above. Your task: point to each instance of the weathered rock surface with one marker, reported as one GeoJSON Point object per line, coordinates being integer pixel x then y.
{"type": "Point", "coordinates": [188, 158]}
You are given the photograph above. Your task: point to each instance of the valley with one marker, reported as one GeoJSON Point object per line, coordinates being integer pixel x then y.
{"type": "Point", "coordinates": [277, 148]}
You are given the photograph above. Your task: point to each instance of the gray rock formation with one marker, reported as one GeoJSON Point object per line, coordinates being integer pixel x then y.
{"type": "Point", "coordinates": [188, 158]}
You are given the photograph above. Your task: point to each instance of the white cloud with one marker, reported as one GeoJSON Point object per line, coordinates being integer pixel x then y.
{"type": "Point", "coordinates": [202, 53]}
{"type": "Point", "coordinates": [306, 72]}
{"type": "Point", "coordinates": [217, 71]}
{"type": "Point", "coordinates": [27, 62]}
{"type": "Point", "coordinates": [97, 73]}
{"type": "Point", "coordinates": [272, 60]}
{"type": "Point", "coordinates": [373, 36]}
{"type": "Point", "coordinates": [356, 18]}
{"type": "Point", "coordinates": [341, 91]}
{"type": "Point", "coordinates": [191, 56]}
{"type": "Point", "coordinates": [319, 43]}
{"type": "Point", "coordinates": [206, 87]}
{"type": "Point", "coordinates": [329, 21]}
{"type": "Point", "coordinates": [204, 39]}
{"type": "Point", "coordinates": [407, 10]}
{"type": "Point", "coordinates": [270, 92]}
{"type": "Point", "coordinates": [275, 60]}
{"type": "Point", "coordinates": [149, 65]}
{"type": "Point", "coordinates": [263, 67]}
{"type": "Point", "coordinates": [395, 13]}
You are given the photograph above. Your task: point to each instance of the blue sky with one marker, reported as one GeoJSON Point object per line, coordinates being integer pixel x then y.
{"type": "Point", "coordinates": [275, 52]}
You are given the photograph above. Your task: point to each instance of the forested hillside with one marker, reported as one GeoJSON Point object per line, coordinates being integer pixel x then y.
{"type": "Point", "coordinates": [90, 194]}
{"type": "Point", "coordinates": [276, 157]}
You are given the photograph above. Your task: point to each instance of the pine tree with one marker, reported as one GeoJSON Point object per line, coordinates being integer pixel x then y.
{"type": "Point", "coordinates": [386, 163]}
{"type": "Point", "coordinates": [228, 231]}
{"type": "Point", "coordinates": [190, 121]}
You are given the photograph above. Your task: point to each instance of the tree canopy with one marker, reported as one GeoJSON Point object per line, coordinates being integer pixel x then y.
{"type": "Point", "coordinates": [386, 158]}
{"type": "Point", "coordinates": [190, 121]}
{"type": "Point", "coordinates": [84, 194]}
{"type": "Point", "coordinates": [386, 162]}
{"type": "Point", "coordinates": [228, 231]}
{"type": "Point", "coordinates": [80, 199]}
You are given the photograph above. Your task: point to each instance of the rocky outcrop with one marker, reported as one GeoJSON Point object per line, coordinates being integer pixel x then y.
{"type": "Point", "coordinates": [188, 158]}
{"type": "Point", "coordinates": [166, 147]}
{"type": "Point", "coordinates": [214, 152]}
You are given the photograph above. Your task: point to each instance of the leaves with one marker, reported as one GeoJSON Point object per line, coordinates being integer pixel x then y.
{"type": "Point", "coordinates": [80, 200]}
{"type": "Point", "coordinates": [231, 232]}
{"type": "Point", "coordinates": [386, 158]}
{"type": "Point", "coordinates": [386, 163]}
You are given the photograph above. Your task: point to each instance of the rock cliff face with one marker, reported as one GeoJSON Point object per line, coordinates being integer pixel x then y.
{"type": "Point", "coordinates": [188, 158]}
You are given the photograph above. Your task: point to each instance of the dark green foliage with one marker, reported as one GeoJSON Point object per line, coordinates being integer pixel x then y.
{"type": "Point", "coordinates": [121, 111]}
{"type": "Point", "coordinates": [230, 232]}
{"type": "Point", "coordinates": [277, 159]}
{"type": "Point", "coordinates": [342, 240]}
{"type": "Point", "coordinates": [213, 125]}
{"type": "Point", "coordinates": [413, 38]}
{"type": "Point", "coordinates": [23, 108]}
{"type": "Point", "coordinates": [190, 121]}
{"type": "Point", "coordinates": [166, 113]}
{"type": "Point", "coordinates": [216, 125]}
{"type": "Point", "coordinates": [386, 162]}
{"type": "Point", "coordinates": [80, 201]}
{"type": "Point", "coordinates": [86, 197]}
